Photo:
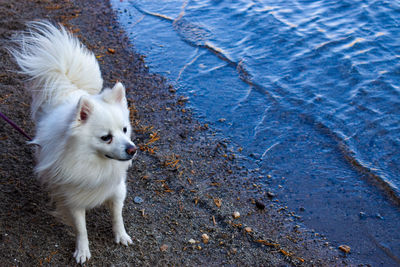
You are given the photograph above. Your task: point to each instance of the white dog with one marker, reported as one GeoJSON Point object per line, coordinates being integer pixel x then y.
{"type": "Point", "coordinates": [83, 132]}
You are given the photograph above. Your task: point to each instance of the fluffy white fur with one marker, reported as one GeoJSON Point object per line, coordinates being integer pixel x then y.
{"type": "Point", "coordinates": [82, 132]}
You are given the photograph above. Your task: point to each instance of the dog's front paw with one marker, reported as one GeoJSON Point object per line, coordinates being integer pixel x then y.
{"type": "Point", "coordinates": [123, 238]}
{"type": "Point", "coordinates": [81, 255]}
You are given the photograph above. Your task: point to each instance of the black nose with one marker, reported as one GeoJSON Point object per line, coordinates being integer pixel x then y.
{"type": "Point", "coordinates": [131, 150]}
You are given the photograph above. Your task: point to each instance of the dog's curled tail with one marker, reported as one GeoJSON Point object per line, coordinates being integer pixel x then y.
{"type": "Point", "coordinates": [57, 63]}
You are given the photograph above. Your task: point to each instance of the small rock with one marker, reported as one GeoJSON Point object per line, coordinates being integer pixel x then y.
{"type": "Point", "coordinates": [138, 200]}
{"type": "Point", "coordinates": [182, 135]}
{"type": "Point", "coordinates": [344, 248]}
{"type": "Point", "coordinates": [379, 216]}
{"type": "Point", "coordinates": [270, 194]}
{"type": "Point", "coordinates": [205, 238]}
{"type": "Point", "coordinates": [260, 205]}
{"type": "Point", "coordinates": [248, 229]}
{"type": "Point", "coordinates": [192, 241]}
{"type": "Point", "coordinates": [362, 215]}
{"type": "Point", "coordinates": [164, 247]}
{"type": "Point", "coordinates": [236, 215]}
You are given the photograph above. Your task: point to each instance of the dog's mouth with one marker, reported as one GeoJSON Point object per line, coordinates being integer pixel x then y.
{"type": "Point", "coordinates": [125, 159]}
{"type": "Point", "coordinates": [107, 156]}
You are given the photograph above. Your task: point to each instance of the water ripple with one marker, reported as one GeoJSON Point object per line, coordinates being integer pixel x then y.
{"type": "Point", "coordinates": [342, 40]}
{"type": "Point", "coordinates": [309, 88]}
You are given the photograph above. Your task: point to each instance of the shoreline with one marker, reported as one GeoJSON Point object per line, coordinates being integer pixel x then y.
{"type": "Point", "coordinates": [189, 180]}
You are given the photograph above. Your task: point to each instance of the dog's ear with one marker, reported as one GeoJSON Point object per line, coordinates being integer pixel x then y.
{"type": "Point", "coordinates": [85, 108]}
{"type": "Point", "coordinates": [116, 94]}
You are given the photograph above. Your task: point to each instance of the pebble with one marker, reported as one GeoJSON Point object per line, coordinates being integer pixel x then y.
{"type": "Point", "coordinates": [205, 238]}
{"type": "Point", "coordinates": [236, 215]}
{"type": "Point", "coordinates": [248, 229]}
{"type": "Point", "coordinates": [260, 205]}
{"type": "Point", "coordinates": [192, 241]}
{"type": "Point", "coordinates": [344, 248]}
{"type": "Point", "coordinates": [164, 247]}
{"type": "Point", "coordinates": [362, 215]}
{"type": "Point", "coordinates": [138, 200]}
{"type": "Point", "coordinates": [270, 194]}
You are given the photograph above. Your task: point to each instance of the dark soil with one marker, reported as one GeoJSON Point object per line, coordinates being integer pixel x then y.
{"type": "Point", "coordinates": [191, 182]}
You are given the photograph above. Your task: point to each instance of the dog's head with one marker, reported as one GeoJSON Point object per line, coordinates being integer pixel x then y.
{"type": "Point", "coordinates": [102, 125]}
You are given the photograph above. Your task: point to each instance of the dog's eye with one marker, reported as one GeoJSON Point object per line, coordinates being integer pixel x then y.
{"type": "Point", "coordinates": [124, 129]}
{"type": "Point", "coordinates": [106, 138]}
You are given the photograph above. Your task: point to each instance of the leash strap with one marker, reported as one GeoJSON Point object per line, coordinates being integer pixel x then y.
{"type": "Point", "coordinates": [4, 117]}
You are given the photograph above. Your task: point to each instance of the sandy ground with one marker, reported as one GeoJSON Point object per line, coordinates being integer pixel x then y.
{"type": "Point", "coordinates": [190, 181]}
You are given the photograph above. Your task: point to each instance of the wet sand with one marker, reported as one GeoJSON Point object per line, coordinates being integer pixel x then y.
{"type": "Point", "coordinates": [190, 180]}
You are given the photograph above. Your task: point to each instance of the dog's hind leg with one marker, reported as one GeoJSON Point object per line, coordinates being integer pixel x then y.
{"type": "Point", "coordinates": [82, 252]}
{"type": "Point", "coordinates": [116, 202]}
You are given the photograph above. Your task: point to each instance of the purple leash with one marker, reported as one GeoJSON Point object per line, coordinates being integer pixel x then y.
{"type": "Point", "coordinates": [15, 126]}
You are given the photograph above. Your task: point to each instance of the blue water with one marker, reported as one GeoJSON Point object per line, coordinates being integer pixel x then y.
{"type": "Point", "coordinates": [309, 90]}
